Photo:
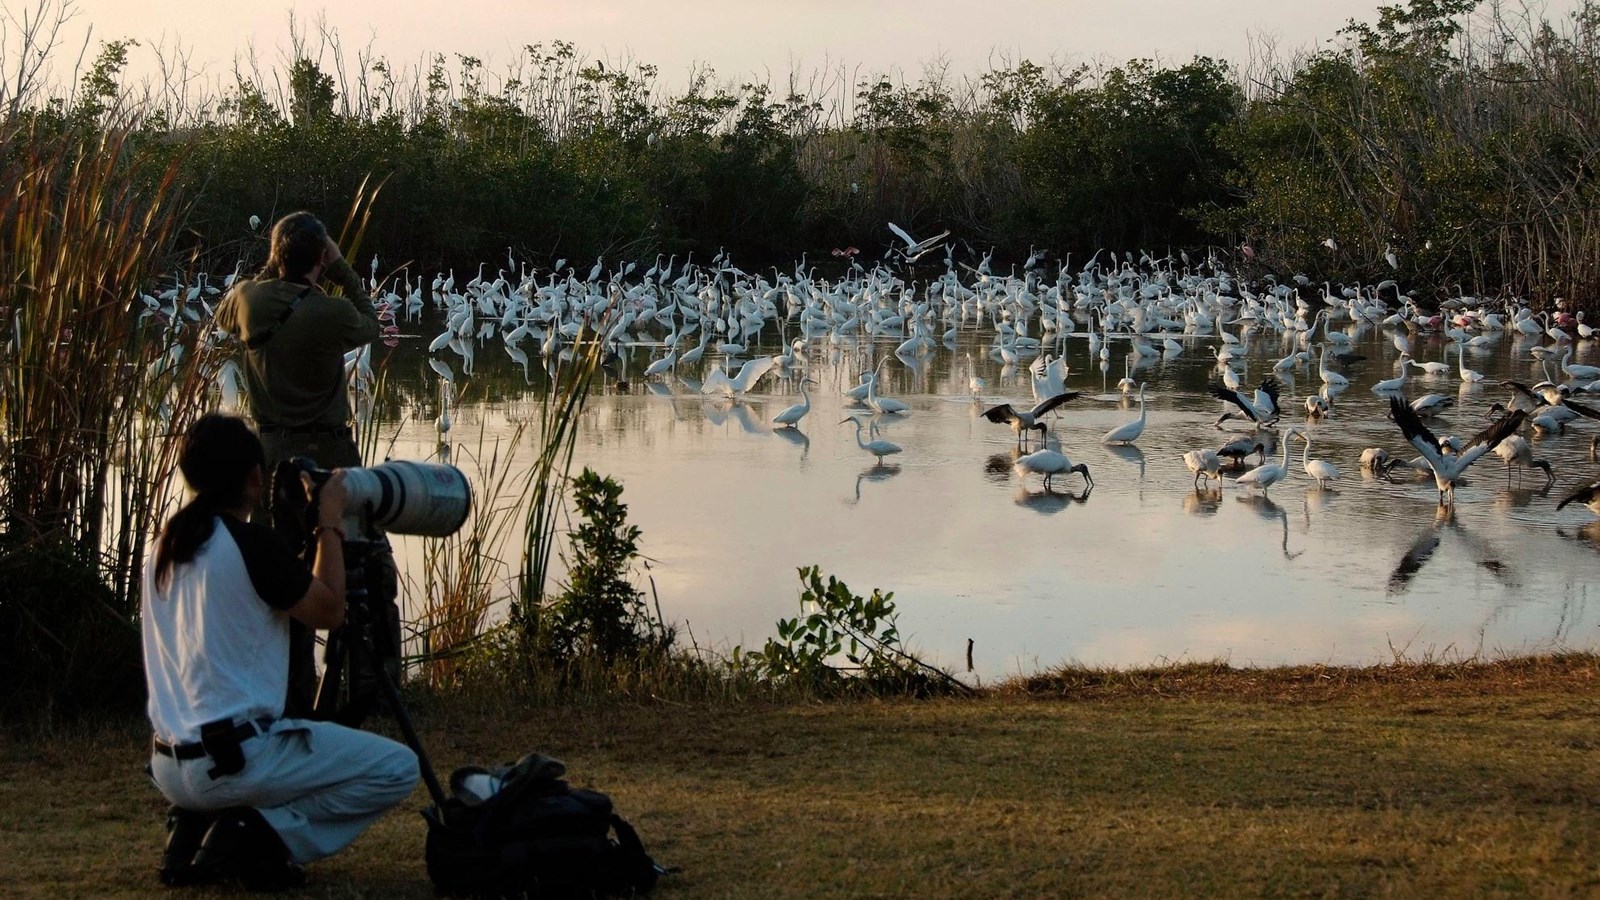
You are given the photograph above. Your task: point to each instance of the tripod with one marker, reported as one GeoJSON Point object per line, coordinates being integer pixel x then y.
{"type": "Point", "coordinates": [359, 655]}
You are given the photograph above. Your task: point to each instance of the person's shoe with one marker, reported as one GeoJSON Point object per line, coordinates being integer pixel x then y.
{"type": "Point", "coordinates": [186, 828]}
{"type": "Point", "coordinates": [242, 847]}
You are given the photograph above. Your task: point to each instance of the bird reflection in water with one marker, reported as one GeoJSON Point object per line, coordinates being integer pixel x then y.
{"type": "Point", "coordinates": [1128, 453]}
{"type": "Point", "coordinates": [877, 473]}
{"type": "Point", "coordinates": [1203, 501]}
{"type": "Point", "coordinates": [1049, 502]}
{"type": "Point", "coordinates": [998, 466]}
{"type": "Point", "coordinates": [1317, 500]}
{"type": "Point", "coordinates": [1427, 542]}
{"type": "Point", "coordinates": [1263, 506]}
{"type": "Point", "coordinates": [1519, 498]}
{"type": "Point", "coordinates": [1587, 533]}
{"type": "Point", "coordinates": [720, 412]}
{"type": "Point", "coordinates": [796, 437]}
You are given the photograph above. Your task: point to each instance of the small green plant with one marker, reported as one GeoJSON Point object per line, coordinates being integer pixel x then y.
{"type": "Point", "coordinates": [841, 642]}
{"type": "Point", "coordinates": [601, 614]}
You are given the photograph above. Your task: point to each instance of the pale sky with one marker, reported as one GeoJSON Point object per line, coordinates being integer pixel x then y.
{"type": "Point", "coordinates": [738, 39]}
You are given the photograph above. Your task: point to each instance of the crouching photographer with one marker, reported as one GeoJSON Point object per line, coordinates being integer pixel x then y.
{"type": "Point", "coordinates": [255, 795]}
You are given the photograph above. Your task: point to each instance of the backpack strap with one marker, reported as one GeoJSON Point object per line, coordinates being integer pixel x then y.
{"type": "Point", "coordinates": [642, 871]}
{"type": "Point", "coordinates": [259, 339]}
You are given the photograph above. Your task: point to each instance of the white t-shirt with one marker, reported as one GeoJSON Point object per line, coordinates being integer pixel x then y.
{"type": "Point", "coordinates": [216, 637]}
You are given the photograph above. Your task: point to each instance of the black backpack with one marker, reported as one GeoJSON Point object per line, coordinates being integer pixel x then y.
{"type": "Point", "coordinates": [520, 830]}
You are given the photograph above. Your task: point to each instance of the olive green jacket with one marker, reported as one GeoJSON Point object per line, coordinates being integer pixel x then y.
{"type": "Point", "coordinates": [296, 380]}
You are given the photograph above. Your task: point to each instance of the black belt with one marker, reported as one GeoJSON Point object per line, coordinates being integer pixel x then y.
{"type": "Point", "coordinates": [330, 430]}
{"type": "Point", "coordinates": [181, 752]}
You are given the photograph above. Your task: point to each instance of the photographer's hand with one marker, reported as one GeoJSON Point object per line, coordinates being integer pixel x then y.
{"type": "Point", "coordinates": [331, 497]}
{"type": "Point", "coordinates": [331, 500]}
{"type": "Point", "coordinates": [330, 254]}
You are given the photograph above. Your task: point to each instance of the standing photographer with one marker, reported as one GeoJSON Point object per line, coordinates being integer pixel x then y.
{"type": "Point", "coordinates": [295, 337]}
{"type": "Point", "coordinates": [218, 596]}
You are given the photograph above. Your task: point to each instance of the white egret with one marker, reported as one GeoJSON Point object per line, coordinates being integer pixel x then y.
{"type": "Point", "coordinates": [1127, 434]}
{"type": "Point", "coordinates": [791, 417]}
{"type": "Point", "coordinates": [878, 448]}
{"type": "Point", "coordinates": [1266, 475]}
{"type": "Point", "coordinates": [1319, 469]}
{"type": "Point", "coordinates": [718, 382]}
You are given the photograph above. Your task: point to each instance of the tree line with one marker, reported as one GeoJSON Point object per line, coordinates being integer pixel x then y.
{"type": "Point", "coordinates": [1459, 138]}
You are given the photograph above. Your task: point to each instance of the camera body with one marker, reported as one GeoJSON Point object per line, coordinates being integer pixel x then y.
{"type": "Point", "coordinates": [398, 496]}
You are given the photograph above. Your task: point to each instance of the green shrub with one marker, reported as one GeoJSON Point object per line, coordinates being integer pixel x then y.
{"type": "Point", "coordinates": [599, 614]}
{"type": "Point", "coordinates": [68, 651]}
{"type": "Point", "coordinates": [842, 642]}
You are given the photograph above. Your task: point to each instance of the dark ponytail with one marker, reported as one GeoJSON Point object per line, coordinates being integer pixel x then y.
{"type": "Point", "coordinates": [298, 242]}
{"type": "Point", "coordinates": [219, 453]}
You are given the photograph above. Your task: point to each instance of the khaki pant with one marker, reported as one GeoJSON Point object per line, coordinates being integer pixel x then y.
{"type": "Point", "coordinates": [318, 785]}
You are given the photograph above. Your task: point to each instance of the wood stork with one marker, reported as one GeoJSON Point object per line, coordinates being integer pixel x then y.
{"type": "Point", "coordinates": [1261, 409]}
{"type": "Point", "coordinates": [1448, 469]}
{"type": "Point", "coordinates": [1021, 421]}
{"type": "Point", "coordinates": [1050, 463]}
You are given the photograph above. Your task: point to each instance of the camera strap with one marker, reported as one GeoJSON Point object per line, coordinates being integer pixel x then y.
{"type": "Point", "coordinates": [259, 339]}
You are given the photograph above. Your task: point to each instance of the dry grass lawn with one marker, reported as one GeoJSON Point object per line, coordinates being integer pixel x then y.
{"type": "Point", "coordinates": [1400, 781]}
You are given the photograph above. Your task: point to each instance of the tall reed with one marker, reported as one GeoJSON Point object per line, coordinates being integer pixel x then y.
{"type": "Point", "coordinates": [93, 399]}
{"type": "Point", "coordinates": [86, 222]}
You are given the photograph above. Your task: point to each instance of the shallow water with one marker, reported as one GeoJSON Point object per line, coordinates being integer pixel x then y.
{"type": "Point", "coordinates": [1141, 569]}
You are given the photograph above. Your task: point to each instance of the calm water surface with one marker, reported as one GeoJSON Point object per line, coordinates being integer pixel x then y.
{"type": "Point", "coordinates": [1141, 569]}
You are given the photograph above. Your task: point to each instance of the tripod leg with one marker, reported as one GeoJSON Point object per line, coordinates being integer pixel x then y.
{"type": "Point", "coordinates": [403, 718]}
{"type": "Point", "coordinates": [333, 664]}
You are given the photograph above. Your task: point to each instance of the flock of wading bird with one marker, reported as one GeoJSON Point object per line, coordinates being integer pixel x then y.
{"type": "Point", "coordinates": [1033, 311]}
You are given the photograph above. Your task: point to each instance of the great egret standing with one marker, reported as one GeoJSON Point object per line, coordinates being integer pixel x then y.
{"type": "Point", "coordinates": [791, 417]}
{"type": "Point", "coordinates": [1127, 434]}
{"type": "Point", "coordinates": [878, 448]}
